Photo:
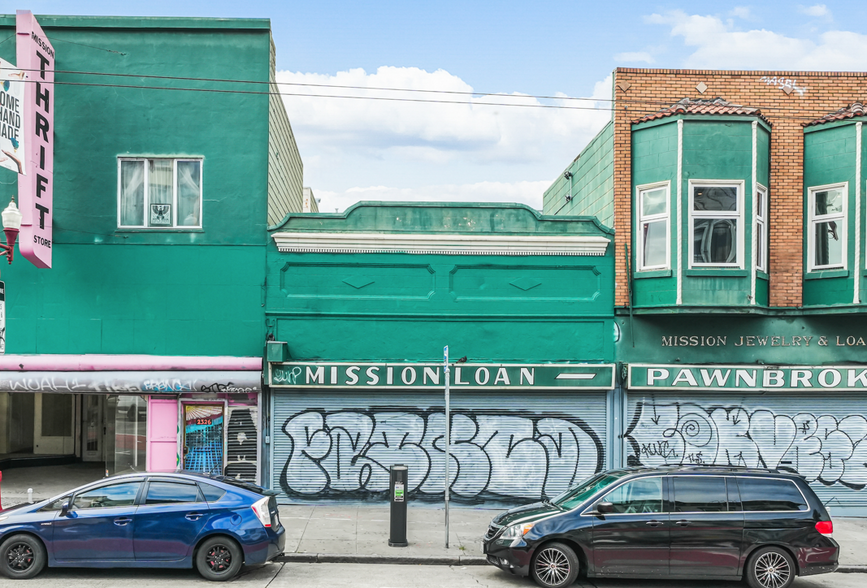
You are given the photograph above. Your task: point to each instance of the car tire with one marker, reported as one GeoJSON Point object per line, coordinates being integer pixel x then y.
{"type": "Point", "coordinates": [22, 556]}
{"type": "Point", "coordinates": [219, 559]}
{"type": "Point", "coordinates": [770, 567]}
{"type": "Point", "coordinates": [554, 565]}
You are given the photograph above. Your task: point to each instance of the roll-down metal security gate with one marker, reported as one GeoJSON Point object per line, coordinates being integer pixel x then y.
{"type": "Point", "coordinates": [821, 436]}
{"type": "Point", "coordinates": [508, 447]}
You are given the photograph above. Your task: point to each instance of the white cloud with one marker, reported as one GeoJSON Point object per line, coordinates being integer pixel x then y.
{"type": "Point", "coordinates": [628, 57]}
{"type": "Point", "coordinates": [471, 150]}
{"type": "Point", "coordinates": [527, 192]}
{"type": "Point", "coordinates": [426, 130]}
{"type": "Point", "coordinates": [742, 12]}
{"type": "Point", "coordinates": [817, 10]}
{"type": "Point", "coordinates": [718, 45]}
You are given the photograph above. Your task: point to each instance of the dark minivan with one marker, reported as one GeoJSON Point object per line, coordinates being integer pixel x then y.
{"type": "Point", "coordinates": [679, 522]}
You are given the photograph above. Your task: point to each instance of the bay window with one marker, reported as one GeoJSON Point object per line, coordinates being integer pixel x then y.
{"type": "Point", "coordinates": [653, 222]}
{"type": "Point", "coordinates": [715, 224]}
{"type": "Point", "coordinates": [159, 193]}
{"type": "Point", "coordinates": [826, 227]}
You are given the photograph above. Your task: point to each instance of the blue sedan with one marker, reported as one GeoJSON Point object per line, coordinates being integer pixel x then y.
{"type": "Point", "coordinates": [179, 520]}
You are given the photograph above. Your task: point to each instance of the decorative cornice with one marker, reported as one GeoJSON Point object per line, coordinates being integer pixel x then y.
{"type": "Point", "coordinates": [440, 244]}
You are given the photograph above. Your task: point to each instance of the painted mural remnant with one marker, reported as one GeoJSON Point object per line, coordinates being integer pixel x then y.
{"type": "Point", "coordinates": [347, 454]}
{"type": "Point", "coordinates": [824, 448]}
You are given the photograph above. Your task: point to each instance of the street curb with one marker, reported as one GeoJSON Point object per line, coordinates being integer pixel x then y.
{"type": "Point", "coordinates": [852, 570]}
{"type": "Point", "coordinates": [428, 560]}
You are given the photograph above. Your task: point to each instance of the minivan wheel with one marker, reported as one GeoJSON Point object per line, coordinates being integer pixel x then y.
{"type": "Point", "coordinates": [770, 567]}
{"type": "Point", "coordinates": [219, 559]}
{"type": "Point", "coordinates": [21, 557]}
{"type": "Point", "coordinates": [554, 565]}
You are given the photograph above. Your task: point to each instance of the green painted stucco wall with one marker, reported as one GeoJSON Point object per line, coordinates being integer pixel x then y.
{"type": "Point", "coordinates": [830, 154]}
{"type": "Point", "coordinates": [711, 150]}
{"type": "Point", "coordinates": [591, 184]}
{"type": "Point", "coordinates": [185, 292]}
{"type": "Point", "coordinates": [400, 306]}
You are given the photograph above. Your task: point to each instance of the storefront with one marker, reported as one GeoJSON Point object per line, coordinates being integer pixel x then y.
{"type": "Point", "coordinates": [132, 412]}
{"type": "Point", "coordinates": [359, 307]}
{"type": "Point", "coordinates": [519, 432]}
{"type": "Point", "coordinates": [759, 392]}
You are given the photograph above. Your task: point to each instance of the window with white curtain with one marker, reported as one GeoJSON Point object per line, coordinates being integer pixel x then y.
{"type": "Point", "coordinates": [158, 193]}
{"type": "Point", "coordinates": [653, 223]}
{"type": "Point", "coordinates": [716, 224]}
{"type": "Point", "coordinates": [826, 227]}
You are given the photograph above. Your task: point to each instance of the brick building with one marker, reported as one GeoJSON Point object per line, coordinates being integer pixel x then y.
{"type": "Point", "coordinates": [737, 203]}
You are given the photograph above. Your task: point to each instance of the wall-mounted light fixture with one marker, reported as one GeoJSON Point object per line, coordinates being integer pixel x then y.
{"type": "Point", "coordinates": [11, 218]}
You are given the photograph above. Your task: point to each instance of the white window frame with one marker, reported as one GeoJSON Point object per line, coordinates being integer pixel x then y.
{"type": "Point", "coordinates": [813, 219]}
{"type": "Point", "coordinates": [641, 218]}
{"type": "Point", "coordinates": [174, 226]}
{"type": "Point", "coordinates": [762, 229]}
{"type": "Point", "coordinates": [693, 215]}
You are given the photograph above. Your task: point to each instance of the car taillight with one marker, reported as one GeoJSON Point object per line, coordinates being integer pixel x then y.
{"type": "Point", "coordinates": [260, 507]}
{"type": "Point", "coordinates": [825, 527]}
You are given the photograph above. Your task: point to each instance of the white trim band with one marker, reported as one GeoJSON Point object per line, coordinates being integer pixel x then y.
{"type": "Point", "coordinates": [439, 244]}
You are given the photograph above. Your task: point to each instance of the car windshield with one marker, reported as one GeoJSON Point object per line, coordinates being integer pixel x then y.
{"type": "Point", "coordinates": [578, 494]}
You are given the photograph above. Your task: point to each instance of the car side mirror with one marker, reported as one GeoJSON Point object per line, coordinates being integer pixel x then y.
{"type": "Point", "coordinates": [605, 508]}
{"type": "Point", "coordinates": [64, 508]}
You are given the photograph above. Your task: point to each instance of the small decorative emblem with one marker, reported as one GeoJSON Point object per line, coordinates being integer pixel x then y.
{"type": "Point", "coordinates": [701, 87]}
{"type": "Point", "coordinates": [161, 215]}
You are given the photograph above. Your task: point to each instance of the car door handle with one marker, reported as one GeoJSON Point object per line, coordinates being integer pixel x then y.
{"type": "Point", "coordinates": [193, 516]}
{"type": "Point", "coordinates": [682, 523]}
{"type": "Point", "coordinates": [653, 523]}
{"type": "Point", "coordinates": [122, 522]}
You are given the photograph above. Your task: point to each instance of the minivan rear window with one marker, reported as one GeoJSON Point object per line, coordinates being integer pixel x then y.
{"type": "Point", "coordinates": [762, 494]}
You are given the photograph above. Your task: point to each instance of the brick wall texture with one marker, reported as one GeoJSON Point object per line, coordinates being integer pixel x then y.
{"type": "Point", "coordinates": [643, 91]}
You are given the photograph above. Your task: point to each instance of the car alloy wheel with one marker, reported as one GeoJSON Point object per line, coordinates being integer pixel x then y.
{"type": "Point", "coordinates": [555, 565]}
{"type": "Point", "coordinates": [21, 556]}
{"type": "Point", "coordinates": [771, 568]}
{"type": "Point", "coordinates": [219, 559]}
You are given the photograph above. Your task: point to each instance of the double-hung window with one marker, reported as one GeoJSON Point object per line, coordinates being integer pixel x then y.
{"type": "Point", "coordinates": [159, 193]}
{"type": "Point", "coordinates": [653, 220]}
{"type": "Point", "coordinates": [716, 224]}
{"type": "Point", "coordinates": [762, 229]}
{"type": "Point", "coordinates": [826, 227]}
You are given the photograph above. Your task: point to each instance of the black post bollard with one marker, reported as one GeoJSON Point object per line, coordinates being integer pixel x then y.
{"type": "Point", "coordinates": [397, 486]}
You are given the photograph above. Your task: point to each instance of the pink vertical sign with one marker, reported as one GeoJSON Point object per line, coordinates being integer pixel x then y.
{"type": "Point", "coordinates": [35, 190]}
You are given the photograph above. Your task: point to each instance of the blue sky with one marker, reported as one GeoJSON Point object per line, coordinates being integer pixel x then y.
{"type": "Point", "coordinates": [357, 149]}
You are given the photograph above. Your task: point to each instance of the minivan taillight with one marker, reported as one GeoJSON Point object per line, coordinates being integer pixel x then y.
{"type": "Point", "coordinates": [260, 507]}
{"type": "Point", "coordinates": [825, 527]}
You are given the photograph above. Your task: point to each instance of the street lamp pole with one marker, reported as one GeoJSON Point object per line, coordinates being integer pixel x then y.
{"type": "Point", "coordinates": [448, 437]}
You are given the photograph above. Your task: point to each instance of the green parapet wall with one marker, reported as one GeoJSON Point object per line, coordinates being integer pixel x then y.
{"type": "Point", "coordinates": [397, 305]}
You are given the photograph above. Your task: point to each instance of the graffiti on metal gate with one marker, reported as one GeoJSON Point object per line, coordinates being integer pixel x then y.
{"type": "Point", "coordinates": [819, 447]}
{"type": "Point", "coordinates": [347, 454]}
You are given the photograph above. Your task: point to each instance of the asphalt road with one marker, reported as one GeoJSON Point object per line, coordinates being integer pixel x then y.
{"type": "Point", "coordinates": [369, 576]}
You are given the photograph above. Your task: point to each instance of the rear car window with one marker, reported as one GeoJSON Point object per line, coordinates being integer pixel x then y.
{"type": "Point", "coordinates": [212, 493]}
{"type": "Point", "coordinates": [171, 493]}
{"type": "Point", "coordinates": [762, 494]}
{"type": "Point", "coordinates": [699, 493]}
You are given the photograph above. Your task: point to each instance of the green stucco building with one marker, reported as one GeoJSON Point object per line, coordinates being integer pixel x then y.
{"type": "Point", "coordinates": [173, 154]}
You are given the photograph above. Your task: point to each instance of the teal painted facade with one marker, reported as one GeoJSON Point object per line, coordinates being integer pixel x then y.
{"type": "Point", "coordinates": [588, 182]}
{"type": "Point", "coordinates": [150, 291]}
{"type": "Point", "coordinates": [833, 154]}
{"type": "Point", "coordinates": [359, 307]}
{"type": "Point", "coordinates": [151, 89]}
